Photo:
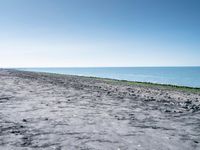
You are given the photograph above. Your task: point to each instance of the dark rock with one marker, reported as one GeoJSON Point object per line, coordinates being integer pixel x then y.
{"type": "Point", "coordinates": [133, 95]}
{"type": "Point", "coordinates": [24, 120]}
{"type": "Point", "coordinates": [150, 100]}
{"type": "Point", "coordinates": [196, 141]}
{"type": "Point", "coordinates": [195, 108]}
{"type": "Point", "coordinates": [167, 110]}
{"type": "Point", "coordinates": [15, 132]}
{"type": "Point", "coordinates": [188, 101]}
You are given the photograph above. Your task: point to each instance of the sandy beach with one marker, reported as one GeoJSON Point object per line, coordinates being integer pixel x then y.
{"type": "Point", "coordinates": [61, 112]}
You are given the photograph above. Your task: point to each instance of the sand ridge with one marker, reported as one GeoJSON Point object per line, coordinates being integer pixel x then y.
{"type": "Point", "coordinates": [58, 112]}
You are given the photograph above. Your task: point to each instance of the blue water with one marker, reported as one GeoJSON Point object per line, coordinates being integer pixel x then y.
{"type": "Point", "coordinates": [184, 76]}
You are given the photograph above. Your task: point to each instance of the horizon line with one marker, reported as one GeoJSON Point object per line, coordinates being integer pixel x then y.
{"type": "Point", "coordinates": [92, 67]}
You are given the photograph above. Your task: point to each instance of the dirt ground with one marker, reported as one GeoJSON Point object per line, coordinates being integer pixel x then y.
{"type": "Point", "coordinates": [56, 112]}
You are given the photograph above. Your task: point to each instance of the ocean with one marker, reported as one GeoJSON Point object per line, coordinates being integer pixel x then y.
{"type": "Point", "coordinates": [183, 76]}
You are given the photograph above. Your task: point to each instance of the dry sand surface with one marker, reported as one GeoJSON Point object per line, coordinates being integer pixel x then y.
{"type": "Point", "coordinates": [57, 112]}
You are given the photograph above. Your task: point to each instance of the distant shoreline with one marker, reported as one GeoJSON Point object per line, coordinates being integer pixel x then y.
{"type": "Point", "coordinates": [139, 83]}
{"type": "Point", "coordinates": [176, 76]}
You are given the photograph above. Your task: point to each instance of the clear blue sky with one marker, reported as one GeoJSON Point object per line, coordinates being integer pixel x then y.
{"type": "Point", "coordinates": [68, 33]}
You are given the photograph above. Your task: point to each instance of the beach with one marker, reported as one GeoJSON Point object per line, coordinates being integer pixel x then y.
{"type": "Point", "coordinates": [65, 112]}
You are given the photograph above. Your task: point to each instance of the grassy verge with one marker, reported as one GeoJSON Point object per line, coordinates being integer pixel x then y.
{"type": "Point", "coordinates": [153, 85]}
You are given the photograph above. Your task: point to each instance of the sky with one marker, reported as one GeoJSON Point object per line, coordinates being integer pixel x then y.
{"type": "Point", "coordinates": [99, 33]}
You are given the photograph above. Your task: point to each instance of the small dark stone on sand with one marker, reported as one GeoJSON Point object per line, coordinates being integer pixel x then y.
{"type": "Point", "coordinates": [4, 98]}
{"type": "Point", "coordinates": [24, 120]}
{"type": "Point", "coordinates": [133, 95]}
{"type": "Point", "coordinates": [196, 100]}
{"type": "Point", "coordinates": [188, 101]}
{"type": "Point", "coordinates": [108, 92]}
{"type": "Point", "coordinates": [195, 108]}
{"type": "Point", "coordinates": [167, 111]}
{"type": "Point", "coordinates": [196, 141]}
{"type": "Point", "coordinates": [15, 132]}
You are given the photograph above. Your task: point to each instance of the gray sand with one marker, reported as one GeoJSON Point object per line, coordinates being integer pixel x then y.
{"type": "Point", "coordinates": [57, 112]}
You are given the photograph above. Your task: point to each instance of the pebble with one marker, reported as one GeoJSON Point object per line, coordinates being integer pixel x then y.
{"type": "Point", "coordinates": [24, 120]}
{"type": "Point", "coordinates": [196, 141]}
{"type": "Point", "coordinates": [188, 101]}
{"type": "Point", "coordinates": [167, 110]}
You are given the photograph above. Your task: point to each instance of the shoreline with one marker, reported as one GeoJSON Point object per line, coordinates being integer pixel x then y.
{"type": "Point", "coordinates": [128, 82]}
{"type": "Point", "coordinates": [186, 77]}
{"type": "Point", "coordinates": [55, 111]}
